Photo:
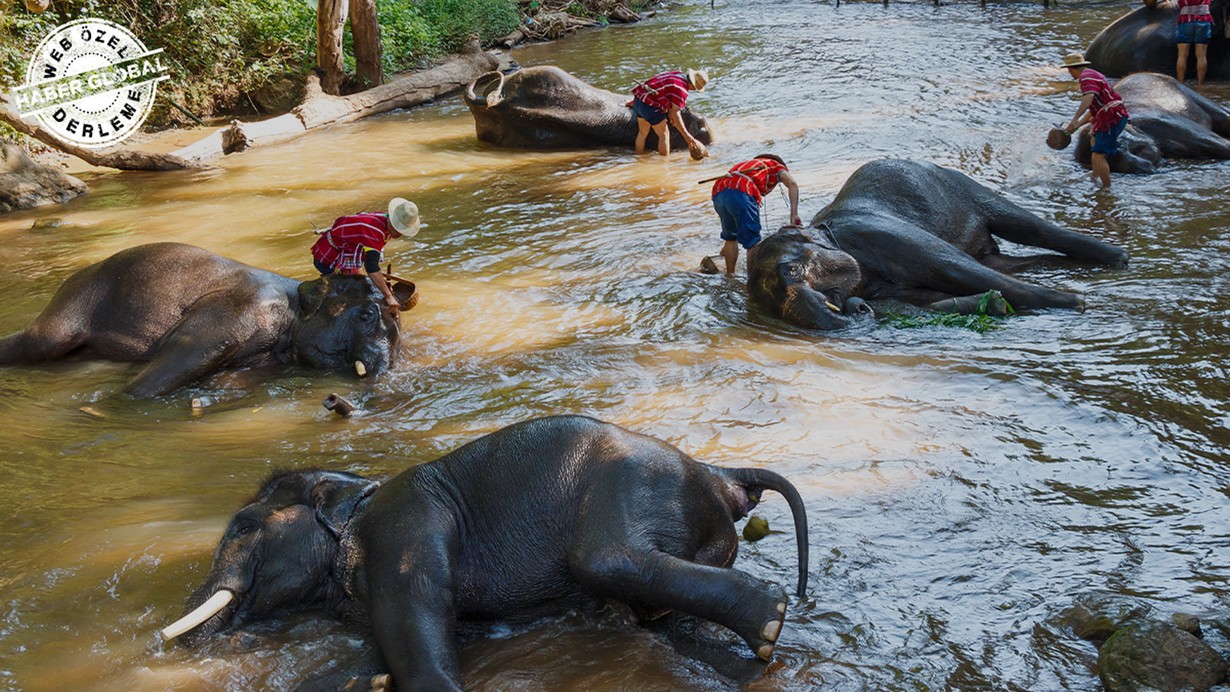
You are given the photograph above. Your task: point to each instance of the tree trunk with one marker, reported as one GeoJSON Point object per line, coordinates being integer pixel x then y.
{"type": "Point", "coordinates": [330, 19]}
{"type": "Point", "coordinates": [368, 55]}
{"type": "Point", "coordinates": [123, 159]}
{"type": "Point", "coordinates": [320, 109]}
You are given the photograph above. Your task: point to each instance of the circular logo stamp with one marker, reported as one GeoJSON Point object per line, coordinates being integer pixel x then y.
{"type": "Point", "coordinates": [90, 82]}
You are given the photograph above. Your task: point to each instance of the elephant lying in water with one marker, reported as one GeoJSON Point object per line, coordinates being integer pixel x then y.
{"type": "Point", "coordinates": [1143, 41]}
{"type": "Point", "coordinates": [911, 231]}
{"type": "Point", "coordinates": [190, 313]}
{"type": "Point", "coordinates": [545, 107]}
{"type": "Point", "coordinates": [1167, 120]}
{"type": "Point", "coordinates": [539, 517]}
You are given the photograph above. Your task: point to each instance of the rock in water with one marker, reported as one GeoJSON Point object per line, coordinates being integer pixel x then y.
{"type": "Point", "coordinates": [1158, 656]}
{"type": "Point", "coordinates": [25, 183]}
{"type": "Point", "coordinates": [755, 529]}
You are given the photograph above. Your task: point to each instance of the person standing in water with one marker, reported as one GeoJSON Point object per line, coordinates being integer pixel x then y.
{"type": "Point", "coordinates": [1195, 26]}
{"type": "Point", "coordinates": [355, 243]}
{"type": "Point", "coordinates": [658, 101]}
{"type": "Point", "coordinates": [1104, 107]}
{"type": "Point", "coordinates": [737, 197]}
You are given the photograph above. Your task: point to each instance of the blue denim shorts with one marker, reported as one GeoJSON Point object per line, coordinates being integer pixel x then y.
{"type": "Point", "coordinates": [1108, 142]}
{"type": "Point", "coordinates": [648, 112]}
{"type": "Point", "coordinates": [740, 215]}
{"type": "Point", "coordinates": [1193, 32]}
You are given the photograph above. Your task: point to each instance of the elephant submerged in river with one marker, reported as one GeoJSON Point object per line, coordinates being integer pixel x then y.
{"type": "Point", "coordinates": [189, 313]}
{"type": "Point", "coordinates": [1143, 41]}
{"type": "Point", "coordinates": [910, 231]}
{"type": "Point", "coordinates": [545, 107]}
{"type": "Point", "coordinates": [541, 516]}
{"type": "Point", "coordinates": [1167, 120]}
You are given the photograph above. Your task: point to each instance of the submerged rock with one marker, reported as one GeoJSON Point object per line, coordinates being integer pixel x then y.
{"type": "Point", "coordinates": [24, 183]}
{"type": "Point", "coordinates": [1158, 656]}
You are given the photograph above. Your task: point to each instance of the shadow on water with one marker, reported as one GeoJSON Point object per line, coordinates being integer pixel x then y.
{"type": "Point", "coordinates": [962, 488]}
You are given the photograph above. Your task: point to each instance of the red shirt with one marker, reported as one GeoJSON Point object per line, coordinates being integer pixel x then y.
{"type": "Point", "coordinates": [342, 246]}
{"type": "Point", "coordinates": [1194, 11]}
{"type": "Point", "coordinates": [665, 91]}
{"type": "Point", "coordinates": [1107, 107]}
{"type": "Point", "coordinates": [757, 178]}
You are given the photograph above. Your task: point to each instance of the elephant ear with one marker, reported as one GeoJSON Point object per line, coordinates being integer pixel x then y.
{"type": "Point", "coordinates": [335, 497]}
{"type": "Point", "coordinates": [312, 295]}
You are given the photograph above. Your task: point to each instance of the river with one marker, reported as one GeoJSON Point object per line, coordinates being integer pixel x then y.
{"type": "Point", "coordinates": [962, 489]}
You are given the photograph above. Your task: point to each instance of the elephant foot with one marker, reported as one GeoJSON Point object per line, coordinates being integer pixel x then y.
{"type": "Point", "coordinates": [765, 638]}
{"type": "Point", "coordinates": [708, 266]}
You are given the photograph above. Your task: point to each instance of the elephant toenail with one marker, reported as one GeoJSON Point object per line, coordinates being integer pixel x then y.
{"type": "Point", "coordinates": [381, 682]}
{"type": "Point", "coordinates": [771, 629]}
{"type": "Point", "coordinates": [781, 607]}
{"type": "Point", "coordinates": [765, 652]}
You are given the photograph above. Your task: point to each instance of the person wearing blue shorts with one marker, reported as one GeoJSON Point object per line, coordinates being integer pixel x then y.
{"type": "Point", "coordinates": [737, 197]}
{"type": "Point", "coordinates": [1102, 107]}
{"type": "Point", "coordinates": [659, 101]}
{"type": "Point", "coordinates": [1195, 27]}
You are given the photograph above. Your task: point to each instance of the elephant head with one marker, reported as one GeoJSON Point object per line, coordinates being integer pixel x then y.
{"type": "Point", "coordinates": [341, 322]}
{"type": "Point", "coordinates": [277, 554]}
{"type": "Point", "coordinates": [804, 280]}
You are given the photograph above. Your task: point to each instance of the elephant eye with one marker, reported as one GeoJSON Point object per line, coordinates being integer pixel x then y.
{"type": "Point", "coordinates": [243, 528]}
{"type": "Point", "coordinates": [369, 313]}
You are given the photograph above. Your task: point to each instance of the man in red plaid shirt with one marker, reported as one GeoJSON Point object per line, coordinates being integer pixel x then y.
{"type": "Point", "coordinates": [355, 243]}
{"type": "Point", "coordinates": [659, 100]}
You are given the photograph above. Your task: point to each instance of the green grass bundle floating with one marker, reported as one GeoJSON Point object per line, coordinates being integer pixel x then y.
{"type": "Point", "coordinates": [987, 316]}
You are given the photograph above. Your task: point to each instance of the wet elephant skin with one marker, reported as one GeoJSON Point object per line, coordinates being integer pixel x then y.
{"type": "Point", "coordinates": [189, 313]}
{"type": "Point", "coordinates": [1143, 41]}
{"type": "Point", "coordinates": [910, 231]}
{"type": "Point", "coordinates": [541, 516]}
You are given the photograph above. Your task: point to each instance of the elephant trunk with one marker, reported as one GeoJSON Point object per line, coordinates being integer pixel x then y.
{"type": "Point", "coordinates": [809, 308]}
{"type": "Point", "coordinates": [485, 91]}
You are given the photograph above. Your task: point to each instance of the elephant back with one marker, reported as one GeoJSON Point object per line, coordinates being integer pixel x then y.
{"type": "Point", "coordinates": [1143, 41]}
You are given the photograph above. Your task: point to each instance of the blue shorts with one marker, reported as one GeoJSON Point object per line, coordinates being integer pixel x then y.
{"type": "Point", "coordinates": [1193, 32]}
{"type": "Point", "coordinates": [648, 112]}
{"type": "Point", "coordinates": [740, 215]}
{"type": "Point", "coordinates": [1108, 142]}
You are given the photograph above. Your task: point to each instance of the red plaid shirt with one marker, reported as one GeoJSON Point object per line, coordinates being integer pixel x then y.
{"type": "Point", "coordinates": [342, 246]}
{"type": "Point", "coordinates": [1107, 107]}
{"type": "Point", "coordinates": [757, 178]}
{"type": "Point", "coordinates": [1195, 11]}
{"type": "Point", "coordinates": [665, 91]}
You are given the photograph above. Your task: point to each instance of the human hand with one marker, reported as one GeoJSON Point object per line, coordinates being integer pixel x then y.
{"type": "Point", "coordinates": [392, 304]}
{"type": "Point", "coordinates": [698, 150]}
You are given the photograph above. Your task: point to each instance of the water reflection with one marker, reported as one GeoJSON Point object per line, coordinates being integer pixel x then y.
{"type": "Point", "coordinates": [962, 488]}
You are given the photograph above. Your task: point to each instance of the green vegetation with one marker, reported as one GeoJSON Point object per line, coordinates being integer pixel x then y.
{"type": "Point", "coordinates": [219, 51]}
{"type": "Point", "coordinates": [980, 321]}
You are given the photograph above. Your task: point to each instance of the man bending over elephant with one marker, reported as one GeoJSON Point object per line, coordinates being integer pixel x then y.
{"type": "Point", "coordinates": [1104, 107]}
{"type": "Point", "coordinates": [737, 197]}
{"type": "Point", "coordinates": [357, 242]}
{"type": "Point", "coordinates": [659, 100]}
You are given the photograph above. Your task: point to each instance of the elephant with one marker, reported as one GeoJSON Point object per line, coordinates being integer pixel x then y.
{"type": "Point", "coordinates": [911, 231]}
{"type": "Point", "coordinates": [189, 313]}
{"type": "Point", "coordinates": [545, 107]}
{"type": "Point", "coordinates": [549, 514]}
{"type": "Point", "coordinates": [1143, 41]}
{"type": "Point", "coordinates": [1168, 120]}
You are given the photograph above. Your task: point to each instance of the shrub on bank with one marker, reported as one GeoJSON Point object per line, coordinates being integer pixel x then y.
{"type": "Point", "coordinates": [220, 51]}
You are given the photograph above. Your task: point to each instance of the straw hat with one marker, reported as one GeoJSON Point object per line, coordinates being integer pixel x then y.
{"type": "Point", "coordinates": [698, 79]}
{"type": "Point", "coordinates": [404, 217]}
{"type": "Point", "coordinates": [1075, 60]}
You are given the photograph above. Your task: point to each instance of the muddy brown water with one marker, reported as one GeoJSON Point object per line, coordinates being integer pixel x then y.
{"type": "Point", "coordinates": [962, 489]}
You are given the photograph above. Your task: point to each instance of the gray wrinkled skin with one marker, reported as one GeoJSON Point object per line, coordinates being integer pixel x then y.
{"type": "Point", "coordinates": [545, 107]}
{"type": "Point", "coordinates": [612, 515]}
{"type": "Point", "coordinates": [914, 232]}
{"type": "Point", "coordinates": [1167, 120]}
{"type": "Point", "coordinates": [189, 313]}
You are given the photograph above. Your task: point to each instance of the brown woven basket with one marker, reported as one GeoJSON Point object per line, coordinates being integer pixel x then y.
{"type": "Point", "coordinates": [1058, 139]}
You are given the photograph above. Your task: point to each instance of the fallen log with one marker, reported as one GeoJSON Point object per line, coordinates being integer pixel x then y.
{"type": "Point", "coordinates": [123, 159]}
{"type": "Point", "coordinates": [319, 109]}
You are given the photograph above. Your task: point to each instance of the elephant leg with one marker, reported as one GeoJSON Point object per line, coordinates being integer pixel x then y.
{"type": "Point", "coordinates": [413, 609]}
{"type": "Point", "coordinates": [218, 329]}
{"type": "Point", "coordinates": [1010, 222]}
{"type": "Point", "coordinates": [612, 556]}
{"type": "Point", "coordinates": [41, 341]}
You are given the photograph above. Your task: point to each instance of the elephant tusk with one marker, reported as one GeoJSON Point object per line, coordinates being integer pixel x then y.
{"type": "Point", "coordinates": [203, 612]}
{"type": "Point", "coordinates": [832, 307]}
{"type": "Point", "coordinates": [360, 368]}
